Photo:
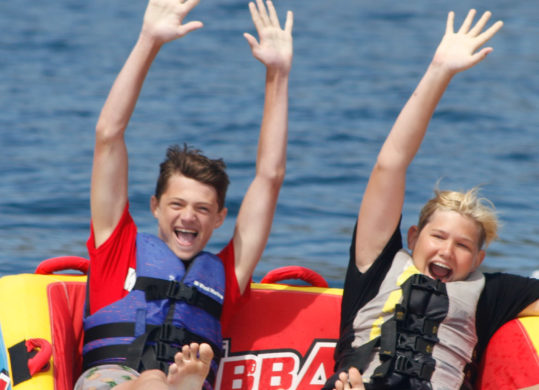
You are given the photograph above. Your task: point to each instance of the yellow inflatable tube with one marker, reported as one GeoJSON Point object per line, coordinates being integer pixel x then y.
{"type": "Point", "coordinates": [34, 308]}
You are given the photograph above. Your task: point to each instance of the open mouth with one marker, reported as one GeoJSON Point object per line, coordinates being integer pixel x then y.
{"type": "Point", "coordinates": [185, 237]}
{"type": "Point", "coordinates": [440, 271]}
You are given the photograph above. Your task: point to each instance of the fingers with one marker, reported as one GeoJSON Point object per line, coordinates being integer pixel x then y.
{"type": "Point", "coordinates": [190, 4]}
{"type": "Point", "coordinates": [262, 13]}
{"type": "Point", "coordinates": [289, 22]}
{"type": "Point", "coordinates": [490, 32]}
{"type": "Point", "coordinates": [356, 381]}
{"type": "Point", "coordinates": [450, 23]}
{"type": "Point", "coordinates": [251, 40]}
{"type": "Point", "coordinates": [467, 22]}
{"type": "Point", "coordinates": [272, 14]}
{"type": "Point", "coordinates": [477, 28]}
{"type": "Point", "coordinates": [266, 15]}
{"type": "Point", "coordinates": [480, 24]}
{"type": "Point", "coordinates": [190, 26]}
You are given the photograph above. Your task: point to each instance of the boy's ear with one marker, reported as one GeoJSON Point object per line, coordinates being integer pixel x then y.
{"type": "Point", "coordinates": [154, 204]}
{"type": "Point", "coordinates": [221, 215]}
{"type": "Point", "coordinates": [480, 258]}
{"type": "Point", "coordinates": [413, 232]}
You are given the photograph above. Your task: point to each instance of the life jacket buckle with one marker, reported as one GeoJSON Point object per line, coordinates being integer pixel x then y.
{"type": "Point", "coordinates": [173, 289]}
{"type": "Point", "coordinates": [188, 294]}
{"type": "Point", "coordinates": [165, 332]}
{"type": "Point", "coordinates": [402, 364]}
{"type": "Point", "coordinates": [171, 334]}
{"type": "Point", "coordinates": [164, 352]}
{"type": "Point", "coordinates": [422, 370]}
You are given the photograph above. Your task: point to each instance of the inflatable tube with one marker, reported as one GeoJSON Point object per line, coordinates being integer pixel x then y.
{"type": "Point", "coordinates": [511, 360]}
{"type": "Point", "coordinates": [281, 337]}
{"type": "Point", "coordinates": [41, 329]}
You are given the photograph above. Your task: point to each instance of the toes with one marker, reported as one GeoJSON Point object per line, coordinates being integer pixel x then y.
{"type": "Point", "coordinates": [194, 350]}
{"type": "Point", "coordinates": [206, 353]}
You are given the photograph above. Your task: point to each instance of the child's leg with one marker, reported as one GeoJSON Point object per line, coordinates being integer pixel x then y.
{"type": "Point", "coordinates": [350, 381]}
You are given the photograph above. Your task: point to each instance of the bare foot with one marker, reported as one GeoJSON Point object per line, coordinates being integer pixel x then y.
{"type": "Point", "coordinates": [190, 367]}
{"type": "Point", "coordinates": [349, 381]}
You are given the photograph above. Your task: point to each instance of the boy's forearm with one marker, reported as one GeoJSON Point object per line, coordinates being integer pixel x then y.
{"type": "Point", "coordinates": [126, 89]}
{"type": "Point", "coordinates": [271, 158]}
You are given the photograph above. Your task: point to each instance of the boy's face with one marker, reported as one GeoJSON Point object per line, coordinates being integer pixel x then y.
{"type": "Point", "coordinates": [447, 248]}
{"type": "Point", "coordinates": [187, 213]}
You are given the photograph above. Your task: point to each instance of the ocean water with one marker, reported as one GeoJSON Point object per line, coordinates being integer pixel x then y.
{"type": "Point", "coordinates": [355, 65]}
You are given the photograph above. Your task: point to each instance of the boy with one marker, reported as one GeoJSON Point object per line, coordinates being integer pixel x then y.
{"type": "Point", "coordinates": [151, 297]}
{"type": "Point", "coordinates": [413, 321]}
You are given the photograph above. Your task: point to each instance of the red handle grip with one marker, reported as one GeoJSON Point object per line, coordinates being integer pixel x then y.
{"type": "Point", "coordinates": [295, 272]}
{"type": "Point", "coordinates": [49, 266]}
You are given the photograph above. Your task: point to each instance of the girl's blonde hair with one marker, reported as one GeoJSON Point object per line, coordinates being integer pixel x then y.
{"type": "Point", "coordinates": [481, 210]}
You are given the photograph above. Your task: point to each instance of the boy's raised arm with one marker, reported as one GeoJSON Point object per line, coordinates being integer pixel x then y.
{"type": "Point", "coordinates": [383, 200]}
{"type": "Point", "coordinates": [253, 225]}
{"type": "Point", "coordinates": [162, 23]}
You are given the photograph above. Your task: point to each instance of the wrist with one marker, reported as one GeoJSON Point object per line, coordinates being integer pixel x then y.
{"type": "Point", "coordinates": [277, 73]}
{"type": "Point", "coordinates": [148, 40]}
{"type": "Point", "coordinates": [440, 71]}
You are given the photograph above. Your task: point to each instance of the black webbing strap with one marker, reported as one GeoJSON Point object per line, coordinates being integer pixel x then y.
{"type": "Point", "coordinates": [108, 352]}
{"type": "Point", "coordinates": [164, 334]}
{"type": "Point", "coordinates": [117, 329]}
{"type": "Point", "coordinates": [164, 289]}
{"type": "Point", "coordinates": [143, 356]}
{"type": "Point", "coordinates": [19, 356]}
{"type": "Point", "coordinates": [359, 357]}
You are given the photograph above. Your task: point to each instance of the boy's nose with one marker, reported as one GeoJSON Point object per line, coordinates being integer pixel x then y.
{"type": "Point", "coordinates": [446, 249]}
{"type": "Point", "coordinates": [188, 214]}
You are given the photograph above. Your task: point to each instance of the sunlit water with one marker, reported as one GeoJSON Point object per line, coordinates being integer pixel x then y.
{"type": "Point", "coordinates": [355, 64]}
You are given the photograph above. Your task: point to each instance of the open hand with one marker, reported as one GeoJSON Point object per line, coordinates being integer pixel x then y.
{"type": "Point", "coordinates": [163, 19]}
{"type": "Point", "coordinates": [275, 47]}
{"type": "Point", "coordinates": [458, 50]}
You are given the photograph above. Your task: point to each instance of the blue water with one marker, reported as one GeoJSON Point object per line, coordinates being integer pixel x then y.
{"type": "Point", "coordinates": [355, 64]}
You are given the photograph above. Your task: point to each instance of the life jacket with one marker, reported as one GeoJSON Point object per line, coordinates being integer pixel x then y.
{"type": "Point", "coordinates": [168, 307]}
{"type": "Point", "coordinates": [417, 333]}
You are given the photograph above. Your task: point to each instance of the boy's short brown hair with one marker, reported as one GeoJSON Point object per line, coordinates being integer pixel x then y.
{"type": "Point", "coordinates": [191, 163]}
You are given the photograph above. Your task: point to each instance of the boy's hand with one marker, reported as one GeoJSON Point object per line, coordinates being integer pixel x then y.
{"type": "Point", "coordinates": [275, 47]}
{"type": "Point", "coordinates": [457, 51]}
{"type": "Point", "coordinates": [163, 19]}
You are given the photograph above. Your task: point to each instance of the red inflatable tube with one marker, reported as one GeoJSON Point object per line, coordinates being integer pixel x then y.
{"type": "Point", "coordinates": [295, 272]}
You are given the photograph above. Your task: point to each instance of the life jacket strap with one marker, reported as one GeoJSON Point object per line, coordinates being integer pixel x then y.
{"type": "Point", "coordinates": [156, 289]}
{"type": "Point", "coordinates": [156, 334]}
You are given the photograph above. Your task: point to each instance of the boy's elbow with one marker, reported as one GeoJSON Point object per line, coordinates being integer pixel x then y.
{"type": "Point", "coordinates": [107, 133]}
{"type": "Point", "coordinates": [274, 177]}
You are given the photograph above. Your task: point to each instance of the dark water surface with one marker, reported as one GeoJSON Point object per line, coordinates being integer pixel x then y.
{"type": "Point", "coordinates": [356, 63]}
